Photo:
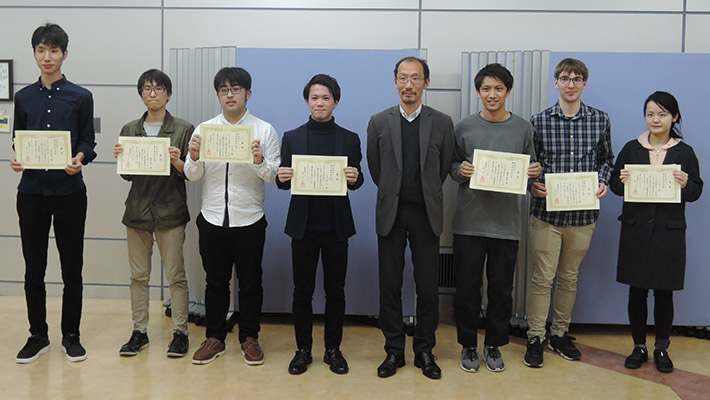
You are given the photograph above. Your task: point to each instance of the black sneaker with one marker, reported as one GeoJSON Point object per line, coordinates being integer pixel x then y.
{"type": "Point", "coordinates": [36, 346]}
{"type": "Point", "coordinates": [564, 346]}
{"type": "Point", "coordinates": [534, 353]}
{"type": "Point", "coordinates": [136, 343]}
{"type": "Point", "coordinates": [178, 346]}
{"type": "Point", "coordinates": [72, 347]}
{"type": "Point", "coordinates": [637, 357]}
{"type": "Point", "coordinates": [663, 361]}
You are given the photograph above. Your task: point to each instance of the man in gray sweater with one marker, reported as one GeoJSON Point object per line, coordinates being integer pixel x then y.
{"type": "Point", "coordinates": [486, 223]}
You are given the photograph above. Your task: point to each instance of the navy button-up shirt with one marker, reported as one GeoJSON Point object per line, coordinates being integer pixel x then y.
{"type": "Point", "coordinates": [63, 107]}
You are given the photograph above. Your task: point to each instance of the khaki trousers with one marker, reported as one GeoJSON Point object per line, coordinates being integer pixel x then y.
{"type": "Point", "coordinates": [556, 251]}
{"type": "Point", "coordinates": [140, 251]}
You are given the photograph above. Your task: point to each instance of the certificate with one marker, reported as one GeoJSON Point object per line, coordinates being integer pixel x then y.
{"type": "Point", "coordinates": [572, 191]}
{"type": "Point", "coordinates": [143, 156]}
{"type": "Point", "coordinates": [497, 171]}
{"type": "Point", "coordinates": [319, 175]}
{"type": "Point", "coordinates": [651, 184]}
{"type": "Point", "coordinates": [43, 149]}
{"type": "Point", "coordinates": [226, 143]}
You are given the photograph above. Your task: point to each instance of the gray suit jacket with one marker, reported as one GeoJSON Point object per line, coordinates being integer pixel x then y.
{"type": "Point", "coordinates": [384, 157]}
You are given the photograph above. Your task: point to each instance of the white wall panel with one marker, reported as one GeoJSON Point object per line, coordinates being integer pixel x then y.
{"type": "Point", "coordinates": [81, 3]}
{"type": "Point", "coordinates": [351, 4]}
{"type": "Point", "coordinates": [8, 197]}
{"type": "Point", "coordinates": [106, 46]}
{"type": "Point", "coordinates": [292, 29]}
{"type": "Point", "coordinates": [106, 192]}
{"type": "Point", "coordinates": [697, 33]}
{"type": "Point", "coordinates": [448, 102]}
{"type": "Point", "coordinates": [547, 5]}
{"type": "Point", "coordinates": [549, 31]}
{"type": "Point", "coordinates": [697, 5]}
{"type": "Point", "coordinates": [116, 106]}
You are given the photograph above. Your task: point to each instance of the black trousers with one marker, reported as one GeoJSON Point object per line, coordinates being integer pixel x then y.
{"type": "Point", "coordinates": [68, 215]}
{"type": "Point", "coordinates": [470, 253]}
{"type": "Point", "coordinates": [305, 254]}
{"type": "Point", "coordinates": [662, 315]}
{"type": "Point", "coordinates": [411, 224]}
{"type": "Point", "coordinates": [222, 249]}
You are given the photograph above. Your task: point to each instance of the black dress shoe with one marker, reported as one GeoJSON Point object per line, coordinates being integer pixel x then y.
{"type": "Point", "coordinates": [299, 363]}
{"type": "Point", "coordinates": [426, 361]}
{"type": "Point", "coordinates": [335, 359]}
{"type": "Point", "coordinates": [390, 365]}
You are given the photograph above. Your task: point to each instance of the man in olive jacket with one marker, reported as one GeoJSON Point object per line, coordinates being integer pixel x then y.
{"type": "Point", "coordinates": [156, 207]}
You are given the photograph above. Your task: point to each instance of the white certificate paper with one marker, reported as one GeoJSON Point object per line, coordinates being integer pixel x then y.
{"type": "Point", "coordinates": [498, 171]}
{"type": "Point", "coordinates": [319, 175]}
{"type": "Point", "coordinates": [572, 191]}
{"type": "Point", "coordinates": [43, 149]}
{"type": "Point", "coordinates": [651, 184]}
{"type": "Point", "coordinates": [143, 156]}
{"type": "Point", "coordinates": [226, 143]}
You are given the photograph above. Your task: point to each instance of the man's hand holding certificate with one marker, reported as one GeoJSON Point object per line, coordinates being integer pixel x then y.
{"type": "Point", "coordinates": [651, 183]}
{"type": "Point", "coordinates": [143, 156]}
{"type": "Point", "coordinates": [319, 175]}
{"type": "Point", "coordinates": [572, 191]}
{"type": "Point", "coordinates": [43, 149]}
{"type": "Point", "coordinates": [226, 143]}
{"type": "Point", "coordinates": [500, 172]}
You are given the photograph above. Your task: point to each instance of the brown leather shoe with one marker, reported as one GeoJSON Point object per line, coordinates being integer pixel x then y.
{"type": "Point", "coordinates": [208, 351]}
{"type": "Point", "coordinates": [252, 352]}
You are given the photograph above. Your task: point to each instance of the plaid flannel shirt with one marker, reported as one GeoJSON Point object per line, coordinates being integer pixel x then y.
{"type": "Point", "coordinates": [571, 144]}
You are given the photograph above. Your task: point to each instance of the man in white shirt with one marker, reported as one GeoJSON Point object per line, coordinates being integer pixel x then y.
{"type": "Point", "coordinates": [232, 224]}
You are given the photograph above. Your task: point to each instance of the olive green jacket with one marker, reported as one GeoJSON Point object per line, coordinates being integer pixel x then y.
{"type": "Point", "coordinates": [158, 202]}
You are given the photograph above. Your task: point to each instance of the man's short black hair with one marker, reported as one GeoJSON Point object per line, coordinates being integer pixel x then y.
{"type": "Point", "coordinates": [413, 59]}
{"type": "Point", "coordinates": [51, 35]}
{"type": "Point", "coordinates": [325, 80]}
{"type": "Point", "coordinates": [234, 76]}
{"type": "Point", "coordinates": [157, 76]}
{"type": "Point", "coordinates": [496, 71]}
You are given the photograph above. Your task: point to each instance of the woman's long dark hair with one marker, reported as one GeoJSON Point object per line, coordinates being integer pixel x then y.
{"type": "Point", "coordinates": [667, 103]}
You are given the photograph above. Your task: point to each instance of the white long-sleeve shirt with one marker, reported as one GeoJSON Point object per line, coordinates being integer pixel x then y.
{"type": "Point", "coordinates": [245, 184]}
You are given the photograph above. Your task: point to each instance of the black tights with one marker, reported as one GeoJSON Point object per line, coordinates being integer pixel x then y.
{"type": "Point", "coordinates": [662, 314]}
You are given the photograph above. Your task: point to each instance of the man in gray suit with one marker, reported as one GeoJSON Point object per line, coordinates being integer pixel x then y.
{"type": "Point", "coordinates": [409, 149]}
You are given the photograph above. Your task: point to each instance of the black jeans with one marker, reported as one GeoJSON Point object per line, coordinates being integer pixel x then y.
{"type": "Point", "coordinates": [304, 254]}
{"type": "Point", "coordinates": [470, 253]}
{"type": "Point", "coordinates": [221, 250]}
{"type": "Point", "coordinates": [411, 224]}
{"type": "Point", "coordinates": [662, 315]}
{"type": "Point", "coordinates": [68, 215]}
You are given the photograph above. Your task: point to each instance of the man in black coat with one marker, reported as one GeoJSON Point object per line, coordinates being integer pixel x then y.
{"type": "Point", "coordinates": [320, 224]}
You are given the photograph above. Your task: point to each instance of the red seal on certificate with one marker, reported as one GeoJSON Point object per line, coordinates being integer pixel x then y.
{"type": "Point", "coordinates": [636, 192]}
{"type": "Point", "coordinates": [557, 201]}
{"type": "Point", "coordinates": [128, 164]}
{"type": "Point", "coordinates": [27, 159]}
{"type": "Point", "coordinates": [482, 180]}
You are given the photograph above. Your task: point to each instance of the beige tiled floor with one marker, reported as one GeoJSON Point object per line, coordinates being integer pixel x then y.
{"type": "Point", "coordinates": [151, 375]}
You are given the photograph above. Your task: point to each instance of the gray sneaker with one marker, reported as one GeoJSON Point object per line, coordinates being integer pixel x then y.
{"type": "Point", "coordinates": [493, 359]}
{"type": "Point", "coordinates": [469, 359]}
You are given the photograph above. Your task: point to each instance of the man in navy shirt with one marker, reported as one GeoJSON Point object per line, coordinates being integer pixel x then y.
{"type": "Point", "coordinates": [53, 104]}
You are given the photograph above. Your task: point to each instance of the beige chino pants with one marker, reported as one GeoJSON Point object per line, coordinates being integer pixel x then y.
{"type": "Point", "coordinates": [556, 251]}
{"type": "Point", "coordinates": [140, 251]}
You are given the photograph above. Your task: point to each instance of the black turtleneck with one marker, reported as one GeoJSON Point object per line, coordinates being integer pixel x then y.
{"type": "Point", "coordinates": [321, 209]}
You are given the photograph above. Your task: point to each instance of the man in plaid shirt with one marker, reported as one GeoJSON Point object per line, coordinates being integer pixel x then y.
{"type": "Point", "coordinates": [570, 136]}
